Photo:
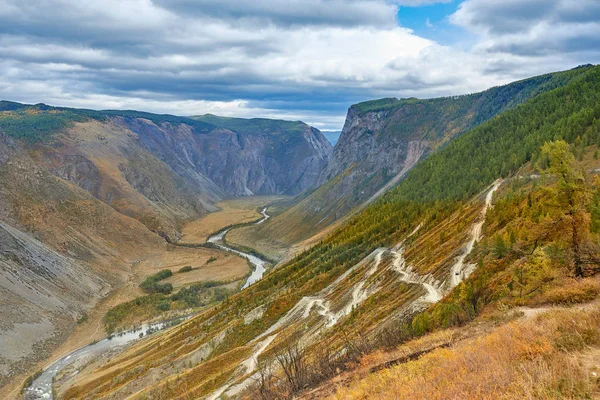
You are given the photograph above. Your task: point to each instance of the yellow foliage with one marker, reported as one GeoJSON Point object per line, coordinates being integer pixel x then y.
{"type": "Point", "coordinates": [520, 360]}
{"type": "Point", "coordinates": [574, 292]}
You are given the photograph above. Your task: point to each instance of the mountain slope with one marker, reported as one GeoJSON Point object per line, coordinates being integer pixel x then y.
{"type": "Point", "coordinates": [61, 250]}
{"type": "Point", "coordinates": [383, 139]}
{"type": "Point", "coordinates": [164, 170]}
{"type": "Point", "coordinates": [291, 154]}
{"type": "Point", "coordinates": [369, 281]}
{"type": "Point", "coordinates": [84, 194]}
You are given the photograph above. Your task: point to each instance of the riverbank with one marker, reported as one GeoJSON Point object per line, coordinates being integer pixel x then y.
{"type": "Point", "coordinates": [225, 266]}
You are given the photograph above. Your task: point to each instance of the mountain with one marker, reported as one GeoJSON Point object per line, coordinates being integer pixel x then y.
{"type": "Point", "coordinates": [162, 169]}
{"type": "Point", "coordinates": [383, 139]}
{"type": "Point", "coordinates": [272, 156]}
{"type": "Point", "coordinates": [471, 245]}
{"type": "Point", "coordinates": [332, 136]}
{"type": "Point", "coordinates": [61, 250]}
{"type": "Point", "coordinates": [84, 194]}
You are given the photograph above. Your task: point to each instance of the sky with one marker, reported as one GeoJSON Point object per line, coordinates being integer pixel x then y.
{"type": "Point", "coordinates": [291, 59]}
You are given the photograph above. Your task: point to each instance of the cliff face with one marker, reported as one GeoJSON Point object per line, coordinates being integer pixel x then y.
{"type": "Point", "coordinates": [381, 141]}
{"type": "Point", "coordinates": [164, 170]}
{"type": "Point", "coordinates": [367, 157]}
{"type": "Point", "coordinates": [259, 156]}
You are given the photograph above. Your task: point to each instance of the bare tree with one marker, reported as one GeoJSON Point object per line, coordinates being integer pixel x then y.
{"type": "Point", "coordinates": [293, 364]}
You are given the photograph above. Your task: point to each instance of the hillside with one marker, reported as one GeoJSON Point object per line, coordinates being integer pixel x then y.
{"type": "Point", "coordinates": [62, 250]}
{"type": "Point", "coordinates": [164, 170]}
{"type": "Point", "coordinates": [472, 230]}
{"type": "Point", "coordinates": [382, 140]}
{"type": "Point", "coordinates": [85, 195]}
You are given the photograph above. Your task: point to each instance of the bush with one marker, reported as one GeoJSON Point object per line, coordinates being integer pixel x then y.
{"type": "Point", "coordinates": [163, 274]}
{"type": "Point", "coordinates": [164, 305]}
{"type": "Point", "coordinates": [187, 268]}
{"type": "Point", "coordinates": [574, 293]}
{"type": "Point", "coordinates": [198, 294]}
{"type": "Point", "coordinates": [151, 284]}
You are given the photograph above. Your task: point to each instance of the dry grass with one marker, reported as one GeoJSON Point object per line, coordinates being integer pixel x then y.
{"type": "Point", "coordinates": [544, 358]}
{"type": "Point", "coordinates": [234, 211]}
{"type": "Point", "coordinates": [226, 267]}
{"type": "Point", "coordinates": [574, 292]}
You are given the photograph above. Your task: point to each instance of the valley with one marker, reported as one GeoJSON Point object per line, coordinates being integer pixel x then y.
{"type": "Point", "coordinates": [341, 273]}
{"type": "Point", "coordinates": [89, 204]}
{"type": "Point", "coordinates": [226, 267]}
{"type": "Point", "coordinates": [307, 200]}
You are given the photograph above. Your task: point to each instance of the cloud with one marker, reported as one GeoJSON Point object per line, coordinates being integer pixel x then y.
{"type": "Point", "coordinates": [289, 12]}
{"type": "Point", "coordinates": [418, 3]}
{"type": "Point", "coordinates": [533, 27]}
{"type": "Point", "coordinates": [300, 59]}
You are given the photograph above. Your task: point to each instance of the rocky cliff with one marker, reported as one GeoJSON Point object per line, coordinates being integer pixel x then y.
{"type": "Point", "coordinates": [164, 170]}
{"type": "Point", "coordinates": [381, 141]}
{"type": "Point", "coordinates": [260, 156]}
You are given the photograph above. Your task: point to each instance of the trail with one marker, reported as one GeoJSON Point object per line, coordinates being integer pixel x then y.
{"type": "Point", "coordinates": [250, 365]}
{"type": "Point", "coordinates": [302, 310]}
{"type": "Point", "coordinates": [459, 271]}
{"type": "Point", "coordinates": [305, 305]}
{"type": "Point", "coordinates": [431, 285]}
{"type": "Point", "coordinates": [359, 292]}
{"type": "Point", "coordinates": [97, 329]}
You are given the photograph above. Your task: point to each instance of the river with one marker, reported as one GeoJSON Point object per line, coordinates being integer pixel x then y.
{"type": "Point", "coordinates": [258, 263]}
{"type": "Point", "coordinates": [41, 387]}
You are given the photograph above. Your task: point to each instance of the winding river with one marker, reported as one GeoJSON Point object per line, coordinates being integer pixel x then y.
{"type": "Point", "coordinates": [258, 263]}
{"type": "Point", "coordinates": [41, 387]}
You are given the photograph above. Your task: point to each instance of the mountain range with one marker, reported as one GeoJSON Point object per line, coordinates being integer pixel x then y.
{"type": "Point", "coordinates": [432, 216]}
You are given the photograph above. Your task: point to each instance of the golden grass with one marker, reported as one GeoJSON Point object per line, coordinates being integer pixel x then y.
{"type": "Point", "coordinates": [573, 292]}
{"type": "Point", "coordinates": [542, 358]}
{"type": "Point", "coordinates": [226, 267]}
{"type": "Point", "coordinates": [236, 211]}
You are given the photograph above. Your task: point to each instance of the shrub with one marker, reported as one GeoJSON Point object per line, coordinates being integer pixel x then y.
{"type": "Point", "coordinates": [164, 305]}
{"type": "Point", "coordinates": [574, 293]}
{"type": "Point", "coordinates": [187, 268]}
{"type": "Point", "coordinates": [212, 259]}
{"type": "Point", "coordinates": [151, 284]}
